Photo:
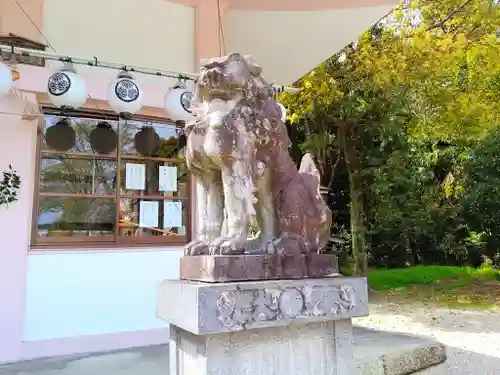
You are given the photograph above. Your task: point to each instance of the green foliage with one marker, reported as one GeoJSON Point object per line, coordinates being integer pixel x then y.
{"type": "Point", "coordinates": [9, 186]}
{"type": "Point", "coordinates": [413, 215]}
{"type": "Point", "coordinates": [481, 197]}
{"type": "Point", "coordinates": [400, 123]}
{"type": "Point", "coordinates": [403, 278]}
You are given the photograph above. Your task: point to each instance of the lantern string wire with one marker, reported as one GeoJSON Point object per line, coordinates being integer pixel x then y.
{"type": "Point", "coordinates": [42, 35]}
{"type": "Point", "coordinates": [34, 25]}
{"type": "Point", "coordinates": [222, 39]}
{"type": "Point", "coordinates": [21, 114]}
{"type": "Point", "coordinates": [95, 62]}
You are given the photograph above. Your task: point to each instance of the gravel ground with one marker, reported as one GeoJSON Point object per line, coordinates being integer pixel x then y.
{"type": "Point", "coordinates": [471, 336]}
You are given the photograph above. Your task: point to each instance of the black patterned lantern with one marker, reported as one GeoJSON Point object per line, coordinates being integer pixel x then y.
{"type": "Point", "coordinates": [146, 141]}
{"type": "Point", "coordinates": [103, 138]}
{"type": "Point", "coordinates": [61, 136]}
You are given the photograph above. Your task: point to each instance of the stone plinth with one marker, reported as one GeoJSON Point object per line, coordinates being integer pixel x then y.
{"type": "Point", "coordinates": [391, 353]}
{"type": "Point", "coordinates": [223, 268]}
{"type": "Point", "coordinates": [285, 327]}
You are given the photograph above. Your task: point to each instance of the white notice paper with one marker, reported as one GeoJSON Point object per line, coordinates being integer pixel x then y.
{"type": "Point", "coordinates": [168, 178]}
{"type": "Point", "coordinates": [148, 214]}
{"type": "Point", "coordinates": [172, 214]}
{"type": "Point", "coordinates": [135, 176]}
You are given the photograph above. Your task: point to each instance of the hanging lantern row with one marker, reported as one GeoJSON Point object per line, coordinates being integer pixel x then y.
{"type": "Point", "coordinates": [67, 90]}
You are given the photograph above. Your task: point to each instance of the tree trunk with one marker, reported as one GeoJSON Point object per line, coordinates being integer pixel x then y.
{"type": "Point", "coordinates": [353, 166]}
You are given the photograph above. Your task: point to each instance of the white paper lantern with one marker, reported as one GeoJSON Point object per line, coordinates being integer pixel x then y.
{"type": "Point", "coordinates": [283, 112]}
{"type": "Point", "coordinates": [5, 79]}
{"type": "Point", "coordinates": [125, 95]}
{"type": "Point", "coordinates": [178, 103]}
{"type": "Point", "coordinates": [67, 89]}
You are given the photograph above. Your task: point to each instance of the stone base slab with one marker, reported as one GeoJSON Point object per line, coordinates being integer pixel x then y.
{"type": "Point", "coordinates": [209, 308]}
{"type": "Point", "coordinates": [375, 353]}
{"type": "Point", "coordinates": [388, 353]}
{"type": "Point", "coordinates": [224, 268]}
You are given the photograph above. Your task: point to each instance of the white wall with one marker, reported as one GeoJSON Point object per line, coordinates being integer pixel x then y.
{"type": "Point", "coordinates": [87, 293]}
{"type": "Point", "coordinates": [149, 33]}
{"type": "Point", "coordinates": [274, 37]}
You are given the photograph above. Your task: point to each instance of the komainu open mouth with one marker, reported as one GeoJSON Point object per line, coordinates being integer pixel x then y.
{"type": "Point", "coordinates": [223, 93]}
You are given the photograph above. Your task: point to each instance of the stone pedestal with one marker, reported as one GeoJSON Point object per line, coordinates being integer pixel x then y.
{"type": "Point", "coordinates": [278, 327]}
{"type": "Point", "coordinates": [224, 268]}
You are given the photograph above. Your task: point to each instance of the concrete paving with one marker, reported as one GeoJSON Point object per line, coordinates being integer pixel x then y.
{"type": "Point", "coordinates": [471, 336]}
{"type": "Point", "coordinates": [376, 353]}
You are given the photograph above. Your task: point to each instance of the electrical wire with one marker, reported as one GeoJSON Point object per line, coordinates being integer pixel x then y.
{"type": "Point", "coordinates": [43, 36]}
{"type": "Point", "coordinates": [34, 24]}
{"type": "Point", "coordinates": [222, 39]}
{"type": "Point", "coordinates": [21, 114]}
{"type": "Point", "coordinates": [95, 62]}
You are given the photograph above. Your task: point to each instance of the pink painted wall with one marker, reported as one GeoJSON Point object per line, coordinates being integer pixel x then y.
{"type": "Point", "coordinates": [13, 19]}
{"type": "Point", "coordinates": [17, 147]}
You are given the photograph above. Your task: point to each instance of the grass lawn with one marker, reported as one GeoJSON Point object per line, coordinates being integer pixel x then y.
{"type": "Point", "coordinates": [447, 285]}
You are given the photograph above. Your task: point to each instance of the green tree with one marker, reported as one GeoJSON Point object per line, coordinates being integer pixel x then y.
{"type": "Point", "coordinates": [481, 197]}
{"type": "Point", "coordinates": [428, 72]}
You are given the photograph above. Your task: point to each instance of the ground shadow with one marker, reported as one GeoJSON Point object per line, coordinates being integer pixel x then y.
{"type": "Point", "coordinates": [154, 361]}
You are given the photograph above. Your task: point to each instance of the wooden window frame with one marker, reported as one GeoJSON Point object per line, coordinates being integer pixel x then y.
{"type": "Point", "coordinates": [115, 240]}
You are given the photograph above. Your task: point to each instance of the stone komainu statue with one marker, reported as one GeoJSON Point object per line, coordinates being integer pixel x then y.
{"type": "Point", "coordinates": [237, 148]}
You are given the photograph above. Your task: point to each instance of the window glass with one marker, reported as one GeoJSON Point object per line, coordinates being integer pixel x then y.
{"type": "Point", "coordinates": [168, 218]}
{"type": "Point", "coordinates": [60, 174]}
{"type": "Point", "coordinates": [70, 216]}
{"type": "Point", "coordinates": [104, 180]}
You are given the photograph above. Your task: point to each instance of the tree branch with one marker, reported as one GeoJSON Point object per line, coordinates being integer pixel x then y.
{"type": "Point", "coordinates": [335, 165]}
{"type": "Point", "coordinates": [448, 17]}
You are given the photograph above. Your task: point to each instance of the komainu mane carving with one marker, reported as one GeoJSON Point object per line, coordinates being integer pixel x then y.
{"type": "Point", "coordinates": [237, 147]}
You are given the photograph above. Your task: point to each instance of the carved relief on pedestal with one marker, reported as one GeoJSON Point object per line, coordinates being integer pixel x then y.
{"type": "Point", "coordinates": [240, 308]}
{"type": "Point", "coordinates": [291, 303]}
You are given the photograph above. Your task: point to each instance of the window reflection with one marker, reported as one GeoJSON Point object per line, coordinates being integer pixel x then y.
{"type": "Point", "coordinates": [140, 138]}
{"type": "Point", "coordinates": [69, 216]}
{"type": "Point", "coordinates": [83, 179]}
{"type": "Point", "coordinates": [77, 176]}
